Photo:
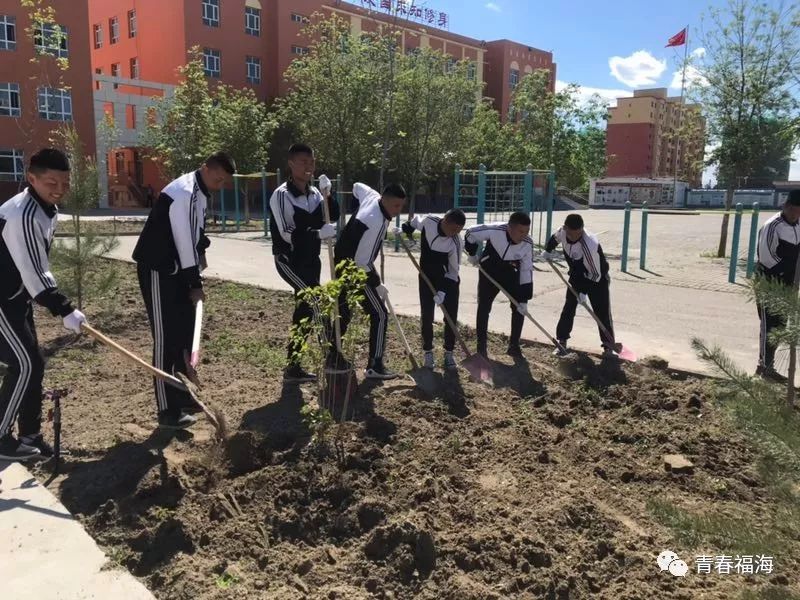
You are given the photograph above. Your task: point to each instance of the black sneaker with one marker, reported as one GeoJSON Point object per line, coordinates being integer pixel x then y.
{"type": "Point", "coordinates": [561, 350]}
{"type": "Point", "coordinates": [377, 370]}
{"type": "Point", "coordinates": [13, 449]}
{"type": "Point", "coordinates": [514, 350]}
{"type": "Point", "coordinates": [296, 374]}
{"type": "Point", "coordinates": [183, 421]}
{"type": "Point", "coordinates": [38, 441]}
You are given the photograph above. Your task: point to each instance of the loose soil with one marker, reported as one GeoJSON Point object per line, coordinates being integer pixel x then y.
{"type": "Point", "coordinates": [536, 488]}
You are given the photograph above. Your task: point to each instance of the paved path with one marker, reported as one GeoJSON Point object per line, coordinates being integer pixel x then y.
{"type": "Point", "coordinates": [655, 312]}
{"type": "Point", "coordinates": [46, 554]}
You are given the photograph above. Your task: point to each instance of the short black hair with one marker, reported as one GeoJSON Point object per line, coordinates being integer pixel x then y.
{"type": "Point", "coordinates": [793, 199]}
{"type": "Point", "coordinates": [296, 149]}
{"type": "Point", "coordinates": [457, 216]}
{"type": "Point", "coordinates": [573, 222]}
{"type": "Point", "coordinates": [48, 159]}
{"type": "Point", "coordinates": [395, 190]}
{"type": "Point", "coordinates": [221, 160]}
{"type": "Point", "coordinates": [519, 218]}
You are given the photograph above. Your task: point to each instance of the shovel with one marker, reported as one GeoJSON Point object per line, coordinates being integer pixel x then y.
{"type": "Point", "coordinates": [621, 349]}
{"type": "Point", "coordinates": [215, 417]}
{"type": "Point", "coordinates": [194, 359]}
{"type": "Point", "coordinates": [476, 365]}
{"type": "Point", "coordinates": [515, 304]}
{"type": "Point", "coordinates": [423, 378]}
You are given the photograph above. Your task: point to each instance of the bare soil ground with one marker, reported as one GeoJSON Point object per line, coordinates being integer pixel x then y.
{"type": "Point", "coordinates": [545, 486]}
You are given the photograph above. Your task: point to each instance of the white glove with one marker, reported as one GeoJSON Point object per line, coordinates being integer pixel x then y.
{"type": "Point", "coordinates": [522, 308]}
{"type": "Point", "coordinates": [583, 299]}
{"type": "Point", "coordinates": [474, 260]}
{"type": "Point", "coordinates": [397, 231]}
{"type": "Point", "coordinates": [438, 298]}
{"type": "Point", "coordinates": [74, 320]}
{"type": "Point", "coordinates": [549, 256]}
{"type": "Point", "coordinates": [324, 185]}
{"type": "Point", "coordinates": [327, 231]}
{"type": "Point", "coordinates": [382, 292]}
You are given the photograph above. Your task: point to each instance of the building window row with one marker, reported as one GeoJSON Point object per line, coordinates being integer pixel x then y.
{"type": "Point", "coordinates": [11, 164]}
{"type": "Point", "coordinates": [211, 13]}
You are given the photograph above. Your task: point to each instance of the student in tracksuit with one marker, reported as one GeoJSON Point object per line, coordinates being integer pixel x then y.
{"type": "Point", "coordinates": [27, 225]}
{"type": "Point", "coordinates": [361, 241]}
{"type": "Point", "coordinates": [440, 259]}
{"type": "Point", "coordinates": [298, 227]}
{"type": "Point", "coordinates": [778, 247]}
{"type": "Point", "coordinates": [508, 259]}
{"type": "Point", "coordinates": [170, 255]}
{"type": "Point", "coordinates": [588, 275]}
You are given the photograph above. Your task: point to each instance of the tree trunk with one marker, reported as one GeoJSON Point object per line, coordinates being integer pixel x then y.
{"type": "Point", "coordinates": [723, 234]}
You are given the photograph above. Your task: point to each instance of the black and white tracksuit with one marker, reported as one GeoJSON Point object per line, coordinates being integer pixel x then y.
{"type": "Point", "coordinates": [27, 226]}
{"type": "Point", "coordinates": [588, 274]}
{"type": "Point", "coordinates": [361, 242]}
{"type": "Point", "coordinates": [297, 217]}
{"type": "Point", "coordinates": [440, 259]}
{"type": "Point", "coordinates": [778, 247]}
{"type": "Point", "coordinates": [168, 256]}
{"type": "Point", "coordinates": [511, 265]}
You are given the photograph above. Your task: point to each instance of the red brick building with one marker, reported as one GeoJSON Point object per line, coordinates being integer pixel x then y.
{"type": "Point", "coordinates": [252, 42]}
{"type": "Point", "coordinates": [36, 98]}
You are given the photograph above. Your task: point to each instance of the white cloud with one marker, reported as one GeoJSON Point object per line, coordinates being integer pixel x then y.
{"type": "Point", "coordinates": [493, 6]}
{"type": "Point", "coordinates": [639, 69]}
{"type": "Point", "coordinates": [693, 75]}
{"type": "Point", "coordinates": [608, 95]}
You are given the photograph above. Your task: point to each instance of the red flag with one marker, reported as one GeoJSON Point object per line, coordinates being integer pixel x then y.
{"type": "Point", "coordinates": [679, 39]}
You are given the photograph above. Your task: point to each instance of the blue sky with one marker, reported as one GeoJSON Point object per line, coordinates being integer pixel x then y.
{"type": "Point", "coordinates": [606, 47]}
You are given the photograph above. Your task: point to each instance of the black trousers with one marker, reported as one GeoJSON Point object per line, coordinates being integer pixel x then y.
{"type": "Point", "coordinates": [427, 311]}
{"type": "Point", "coordinates": [600, 299]}
{"type": "Point", "coordinates": [171, 314]}
{"type": "Point", "coordinates": [21, 392]}
{"type": "Point", "coordinates": [487, 292]}
{"type": "Point", "coordinates": [378, 320]}
{"type": "Point", "coordinates": [300, 276]}
{"type": "Point", "coordinates": [766, 349]}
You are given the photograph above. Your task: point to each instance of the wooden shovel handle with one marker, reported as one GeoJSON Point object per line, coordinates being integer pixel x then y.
{"type": "Point", "coordinates": [132, 357]}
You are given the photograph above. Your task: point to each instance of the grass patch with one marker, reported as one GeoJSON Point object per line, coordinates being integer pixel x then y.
{"type": "Point", "coordinates": [256, 352]}
{"type": "Point", "coordinates": [235, 292]}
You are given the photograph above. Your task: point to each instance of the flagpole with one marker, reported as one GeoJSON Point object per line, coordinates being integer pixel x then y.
{"type": "Point", "coordinates": [680, 121]}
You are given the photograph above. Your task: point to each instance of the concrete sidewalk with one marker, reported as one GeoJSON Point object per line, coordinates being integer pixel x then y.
{"type": "Point", "coordinates": [654, 314]}
{"type": "Point", "coordinates": [46, 554]}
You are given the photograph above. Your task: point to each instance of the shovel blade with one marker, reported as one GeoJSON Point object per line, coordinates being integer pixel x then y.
{"type": "Point", "coordinates": [478, 367]}
{"type": "Point", "coordinates": [626, 353]}
{"type": "Point", "coordinates": [426, 380]}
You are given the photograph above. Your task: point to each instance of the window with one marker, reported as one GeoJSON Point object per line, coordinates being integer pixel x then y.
{"type": "Point", "coordinates": [113, 30]}
{"type": "Point", "coordinates": [253, 69]}
{"type": "Point", "coordinates": [211, 62]}
{"type": "Point", "coordinates": [299, 50]}
{"type": "Point", "coordinates": [51, 39]}
{"type": "Point", "coordinates": [98, 36]}
{"type": "Point", "coordinates": [513, 78]}
{"type": "Point", "coordinates": [299, 18]}
{"type": "Point", "coordinates": [115, 73]}
{"type": "Point", "coordinates": [11, 165]}
{"type": "Point", "coordinates": [8, 32]}
{"type": "Point", "coordinates": [472, 71]}
{"type": "Point", "coordinates": [450, 65]}
{"type": "Point", "coordinates": [211, 13]}
{"type": "Point", "coordinates": [131, 23]}
{"type": "Point", "coordinates": [55, 104]}
{"type": "Point", "coordinates": [134, 68]}
{"type": "Point", "coordinates": [252, 20]}
{"type": "Point", "coordinates": [9, 100]}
